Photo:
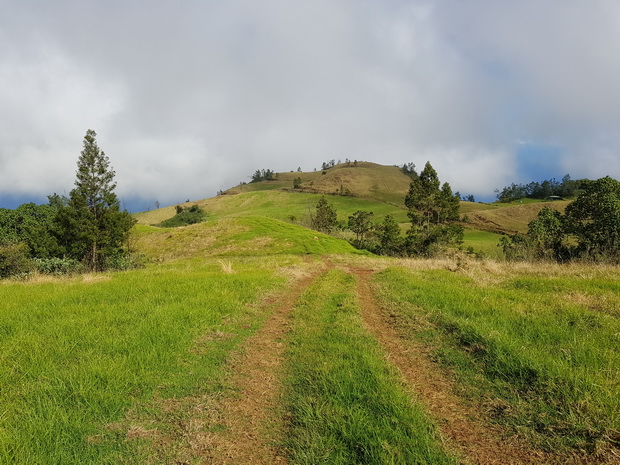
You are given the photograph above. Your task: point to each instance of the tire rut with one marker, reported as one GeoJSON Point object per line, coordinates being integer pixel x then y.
{"type": "Point", "coordinates": [250, 420]}
{"type": "Point", "coordinates": [462, 426]}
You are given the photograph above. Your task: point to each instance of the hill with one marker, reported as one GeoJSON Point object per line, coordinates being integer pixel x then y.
{"type": "Point", "coordinates": [350, 187]}
{"type": "Point", "coordinates": [358, 179]}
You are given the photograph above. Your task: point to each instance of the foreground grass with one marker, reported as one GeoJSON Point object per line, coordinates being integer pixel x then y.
{"type": "Point", "coordinates": [544, 349]}
{"type": "Point", "coordinates": [76, 355]}
{"type": "Point", "coordinates": [346, 404]}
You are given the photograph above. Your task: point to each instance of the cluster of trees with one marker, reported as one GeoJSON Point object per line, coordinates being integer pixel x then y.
{"type": "Point", "coordinates": [328, 164]}
{"type": "Point", "coordinates": [432, 211]}
{"type": "Point", "coordinates": [539, 190]}
{"type": "Point", "coordinates": [263, 175]}
{"type": "Point", "coordinates": [409, 170]}
{"type": "Point", "coordinates": [588, 229]}
{"type": "Point", "coordinates": [87, 229]}
{"type": "Point", "coordinates": [184, 216]}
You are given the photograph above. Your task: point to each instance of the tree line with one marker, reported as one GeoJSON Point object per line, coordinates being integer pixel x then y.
{"type": "Point", "coordinates": [539, 190]}
{"type": "Point", "coordinates": [87, 230]}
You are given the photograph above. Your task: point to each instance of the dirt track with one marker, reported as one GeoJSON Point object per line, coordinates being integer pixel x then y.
{"type": "Point", "coordinates": [254, 425]}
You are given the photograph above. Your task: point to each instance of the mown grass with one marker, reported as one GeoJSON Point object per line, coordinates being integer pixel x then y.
{"type": "Point", "coordinates": [546, 347]}
{"type": "Point", "coordinates": [77, 355]}
{"type": "Point", "coordinates": [346, 404]}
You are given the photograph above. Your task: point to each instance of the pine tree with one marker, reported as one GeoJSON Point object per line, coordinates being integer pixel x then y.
{"type": "Point", "coordinates": [431, 210]}
{"type": "Point", "coordinates": [326, 218]}
{"type": "Point", "coordinates": [92, 226]}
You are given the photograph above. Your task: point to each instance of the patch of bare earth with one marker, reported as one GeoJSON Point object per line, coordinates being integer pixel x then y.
{"type": "Point", "coordinates": [251, 421]}
{"type": "Point", "coordinates": [463, 427]}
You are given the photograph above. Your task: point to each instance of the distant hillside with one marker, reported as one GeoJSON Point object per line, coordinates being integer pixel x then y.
{"type": "Point", "coordinates": [361, 179]}
{"type": "Point", "coordinates": [365, 186]}
{"type": "Point", "coordinates": [505, 218]}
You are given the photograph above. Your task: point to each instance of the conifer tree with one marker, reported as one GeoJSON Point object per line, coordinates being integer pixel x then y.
{"type": "Point", "coordinates": [431, 210]}
{"type": "Point", "coordinates": [91, 224]}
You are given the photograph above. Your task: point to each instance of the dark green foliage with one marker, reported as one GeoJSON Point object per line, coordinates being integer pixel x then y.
{"type": "Point", "coordinates": [184, 217]}
{"type": "Point", "coordinates": [594, 218]}
{"type": "Point", "coordinates": [409, 170]}
{"type": "Point", "coordinates": [431, 210]}
{"type": "Point", "coordinates": [592, 221]}
{"type": "Point", "coordinates": [390, 240]}
{"type": "Point", "coordinates": [32, 225]}
{"type": "Point", "coordinates": [325, 218]}
{"type": "Point", "coordinates": [91, 225]}
{"type": "Point", "coordinates": [328, 165]}
{"type": "Point", "coordinates": [262, 175]}
{"type": "Point", "coordinates": [547, 233]}
{"type": "Point", "coordinates": [14, 260]}
{"type": "Point", "coordinates": [297, 183]}
{"type": "Point", "coordinates": [361, 224]}
{"type": "Point", "coordinates": [539, 190]}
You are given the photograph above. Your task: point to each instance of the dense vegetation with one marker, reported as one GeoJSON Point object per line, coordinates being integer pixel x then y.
{"type": "Point", "coordinates": [589, 228]}
{"type": "Point", "coordinates": [86, 229]}
{"type": "Point", "coordinates": [184, 216]}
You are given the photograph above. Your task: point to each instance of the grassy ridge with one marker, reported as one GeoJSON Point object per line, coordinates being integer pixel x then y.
{"type": "Point", "coordinates": [547, 345]}
{"type": "Point", "coordinates": [346, 404]}
{"type": "Point", "coordinates": [236, 237]}
{"type": "Point", "coordinates": [75, 356]}
{"type": "Point", "coordinates": [277, 204]}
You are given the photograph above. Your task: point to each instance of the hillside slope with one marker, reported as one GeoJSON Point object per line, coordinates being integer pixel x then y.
{"type": "Point", "coordinates": [360, 179]}
{"type": "Point", "coordinates": [505, 218]}
{"type": "Point", "coordinates": [243, 236]}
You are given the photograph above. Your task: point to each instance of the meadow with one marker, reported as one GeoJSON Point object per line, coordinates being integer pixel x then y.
{"type": "Point", "coordinates": [539, 344]}
{"type": "Point", "coordinates": [138, 366]}
{"type": "Point", "coordinates": [78, 354]}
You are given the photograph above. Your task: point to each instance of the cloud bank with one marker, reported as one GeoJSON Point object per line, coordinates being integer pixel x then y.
{"type": "Point", "coordinates": [189, 98]}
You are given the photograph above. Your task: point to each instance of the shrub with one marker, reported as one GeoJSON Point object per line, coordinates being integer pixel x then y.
{"type": "Point", "coordinates": [14, 260]}
{"type": "Point", "coordinates": [58, 266]}
{"type": "Point", "coordinates": [184, 217]}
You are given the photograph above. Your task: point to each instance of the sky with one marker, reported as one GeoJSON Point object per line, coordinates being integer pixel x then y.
{"type": "Point", "coordinates": [190, 97]}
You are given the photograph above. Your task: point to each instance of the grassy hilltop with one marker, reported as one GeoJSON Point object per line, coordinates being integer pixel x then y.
{"type": "Point", "coordinates": [249, 338]}
{"type": "Point", "coordinates": [352, 187]}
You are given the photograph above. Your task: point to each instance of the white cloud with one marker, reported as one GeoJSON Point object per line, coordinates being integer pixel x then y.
{"type": "Point", "coordinates": [192, 97]}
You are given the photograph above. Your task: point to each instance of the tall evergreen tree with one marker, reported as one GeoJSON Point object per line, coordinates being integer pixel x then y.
{"type": "Point", "coordinates": [431, 210]}
{"type": "Point", "coordinates": [92, 226]}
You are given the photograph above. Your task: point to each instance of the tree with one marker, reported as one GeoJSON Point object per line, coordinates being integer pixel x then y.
{"type": "Point", "coordinates": [390, 241]}
{"type": "Point", "coordinates": [360, 223]}
{"type": "Point", "coordinates": [594, 218]}
{"type": "Point", "coordinates": [325, 219]}
{"type": "Point", "coordinates": [431, 210]}
{"type": "Point", "coordinates": [547, 233]}
{"type": "Point", "coordinates": [91, 224]}
{"type": "Point", "coordinates": [297, 183]}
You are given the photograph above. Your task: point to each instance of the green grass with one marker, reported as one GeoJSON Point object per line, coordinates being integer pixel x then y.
{"type": "Point", "coordinates": [280, 205]}
{"type": "Point", "coordinates": [546, 345]}
{"type": "Point", "coordinates": [76, 356]}
{"type": "Point", "coordinates": [346, 404]}
{"type": "Point", "coordinates": [243, 236]}
{"type": "Point", "coordinates": [483, 241]}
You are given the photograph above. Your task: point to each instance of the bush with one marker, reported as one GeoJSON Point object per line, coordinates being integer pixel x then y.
{"type": "Point", "coordinates": [58, 266]}
{"type": "Point", "coordinates": [184, 217]}
{"type": "Point", "coordinates": [14, 260]}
